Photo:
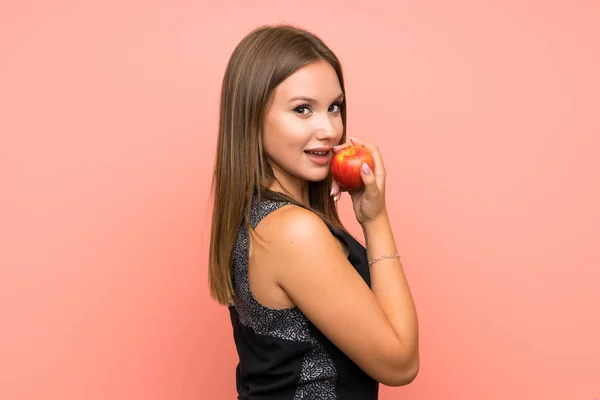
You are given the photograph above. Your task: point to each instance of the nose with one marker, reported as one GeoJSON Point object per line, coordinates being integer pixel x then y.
{"type": "Point", "coordinates": [326, 134]}
{"type": "Point", "coordinates": [325, 128]}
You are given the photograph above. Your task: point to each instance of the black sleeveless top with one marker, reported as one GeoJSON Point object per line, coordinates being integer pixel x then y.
{"type": "Point", "coordinates": [282, 355]}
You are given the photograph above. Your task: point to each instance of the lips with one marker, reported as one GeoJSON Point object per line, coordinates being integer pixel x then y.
{"type": "Point", "coordinates": [320, 157]}
{"type": "Point", "coordinates": [319, 150]}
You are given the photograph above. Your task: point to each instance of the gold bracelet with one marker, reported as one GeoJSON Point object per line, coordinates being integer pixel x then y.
{"type": "Point", "coordinates": [383, 258]}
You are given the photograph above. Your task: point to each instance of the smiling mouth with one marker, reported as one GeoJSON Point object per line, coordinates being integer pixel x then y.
{"type": "Point", "coordinates": [318, 153]}
{"type": "Point", "coordinates": [319, 157]}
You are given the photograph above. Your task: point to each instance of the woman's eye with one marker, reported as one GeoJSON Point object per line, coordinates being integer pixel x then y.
{"type": "Point", "coordinates": [335, 107]}
{"type": "Point", "coordinates": [302, 110]}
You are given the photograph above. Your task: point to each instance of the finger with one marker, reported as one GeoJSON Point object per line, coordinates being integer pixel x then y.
{"type": "Point", "coordinates": [341, 146]}
{"type": "Point", "coordinates": [335, 189]}
{"type": "Point", "coordinates": [368, 178]}
{"type": "Point", "coordinates": [374, 150]}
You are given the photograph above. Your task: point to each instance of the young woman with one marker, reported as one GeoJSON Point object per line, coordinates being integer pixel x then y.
{"type": "Point", "coordinates": [315, 314]}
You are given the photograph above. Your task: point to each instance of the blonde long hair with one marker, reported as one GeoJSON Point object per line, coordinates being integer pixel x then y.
{"type": "Point", "coordinates": [258, 64]}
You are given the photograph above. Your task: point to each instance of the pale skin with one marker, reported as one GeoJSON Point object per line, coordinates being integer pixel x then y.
{"type": "Point", "coordinates": [302, 264]}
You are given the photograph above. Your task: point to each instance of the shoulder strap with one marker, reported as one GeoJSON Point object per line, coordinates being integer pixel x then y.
{"type": "Point", "coordinates": [260, 210]}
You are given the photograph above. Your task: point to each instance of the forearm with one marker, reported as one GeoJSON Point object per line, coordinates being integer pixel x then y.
{"type": "Point", "coordinates": [389, 283]}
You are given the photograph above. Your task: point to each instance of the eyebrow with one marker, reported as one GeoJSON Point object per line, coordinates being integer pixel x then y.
{"type": "Point", "coordinates": [340, 97]}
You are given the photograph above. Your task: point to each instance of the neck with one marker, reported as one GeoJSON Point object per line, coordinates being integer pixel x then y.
{"type": "Point", "coordinates": [295, 188]}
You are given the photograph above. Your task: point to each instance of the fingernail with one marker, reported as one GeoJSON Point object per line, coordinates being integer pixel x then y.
{"type": "Point", "coordinates": [331, 193]}
{"type": "Point", "coordinates": [366, 169]}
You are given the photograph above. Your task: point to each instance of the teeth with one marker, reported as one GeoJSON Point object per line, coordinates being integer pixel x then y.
{"type": "Point", "coordinates": [320, 153]}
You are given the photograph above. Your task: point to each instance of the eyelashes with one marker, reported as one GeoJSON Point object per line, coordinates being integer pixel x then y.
{"type": "Point", "coordinates": [305, 109]}
{"type": "Point", "coordinates": [301, 109]}
{"type": "Point", "coordinates": [339, 106]}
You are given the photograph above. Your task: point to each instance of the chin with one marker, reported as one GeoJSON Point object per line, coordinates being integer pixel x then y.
{"type": "Point", "coordinates": [317, 177]}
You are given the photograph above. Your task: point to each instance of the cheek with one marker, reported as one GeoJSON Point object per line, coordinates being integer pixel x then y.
{"type": "Point", "coordinates": [267, 138]}
{"type": "Point", "coordinates": [292, 132]}
{"type": "Point", "coordinates": [280, 135]}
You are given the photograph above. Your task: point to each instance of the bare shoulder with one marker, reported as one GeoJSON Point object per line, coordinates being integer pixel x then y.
{"type": "Point", "coordinates": [297, 240]}
{"type": "Point", "coordinates": [292, 226]}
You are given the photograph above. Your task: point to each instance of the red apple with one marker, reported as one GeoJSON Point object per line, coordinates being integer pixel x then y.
{"type": "Point", "coordinates": [346, 164]}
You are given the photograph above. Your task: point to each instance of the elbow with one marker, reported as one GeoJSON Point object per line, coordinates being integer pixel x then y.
{"type": "Point", "coordinates": [402, 374]}
{"type": "Point", "coordinates": [403, 377]}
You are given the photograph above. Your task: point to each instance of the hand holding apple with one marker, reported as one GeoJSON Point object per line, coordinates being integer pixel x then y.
{"type": "Point", "coordinates": [346, 164]}
{"type": "Point", "coordinates": [366, 187]}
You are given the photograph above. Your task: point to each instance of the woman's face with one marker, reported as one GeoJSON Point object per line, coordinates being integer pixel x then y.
{"type": "Point", "coordinates": [302, 123]}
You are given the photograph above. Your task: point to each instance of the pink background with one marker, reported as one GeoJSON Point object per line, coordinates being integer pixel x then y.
{"type": "Point", "coordinates": [487, 113]}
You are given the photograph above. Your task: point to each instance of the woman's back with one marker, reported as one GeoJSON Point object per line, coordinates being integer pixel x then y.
{"type": "Point", "coordinates": [282, 354]}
